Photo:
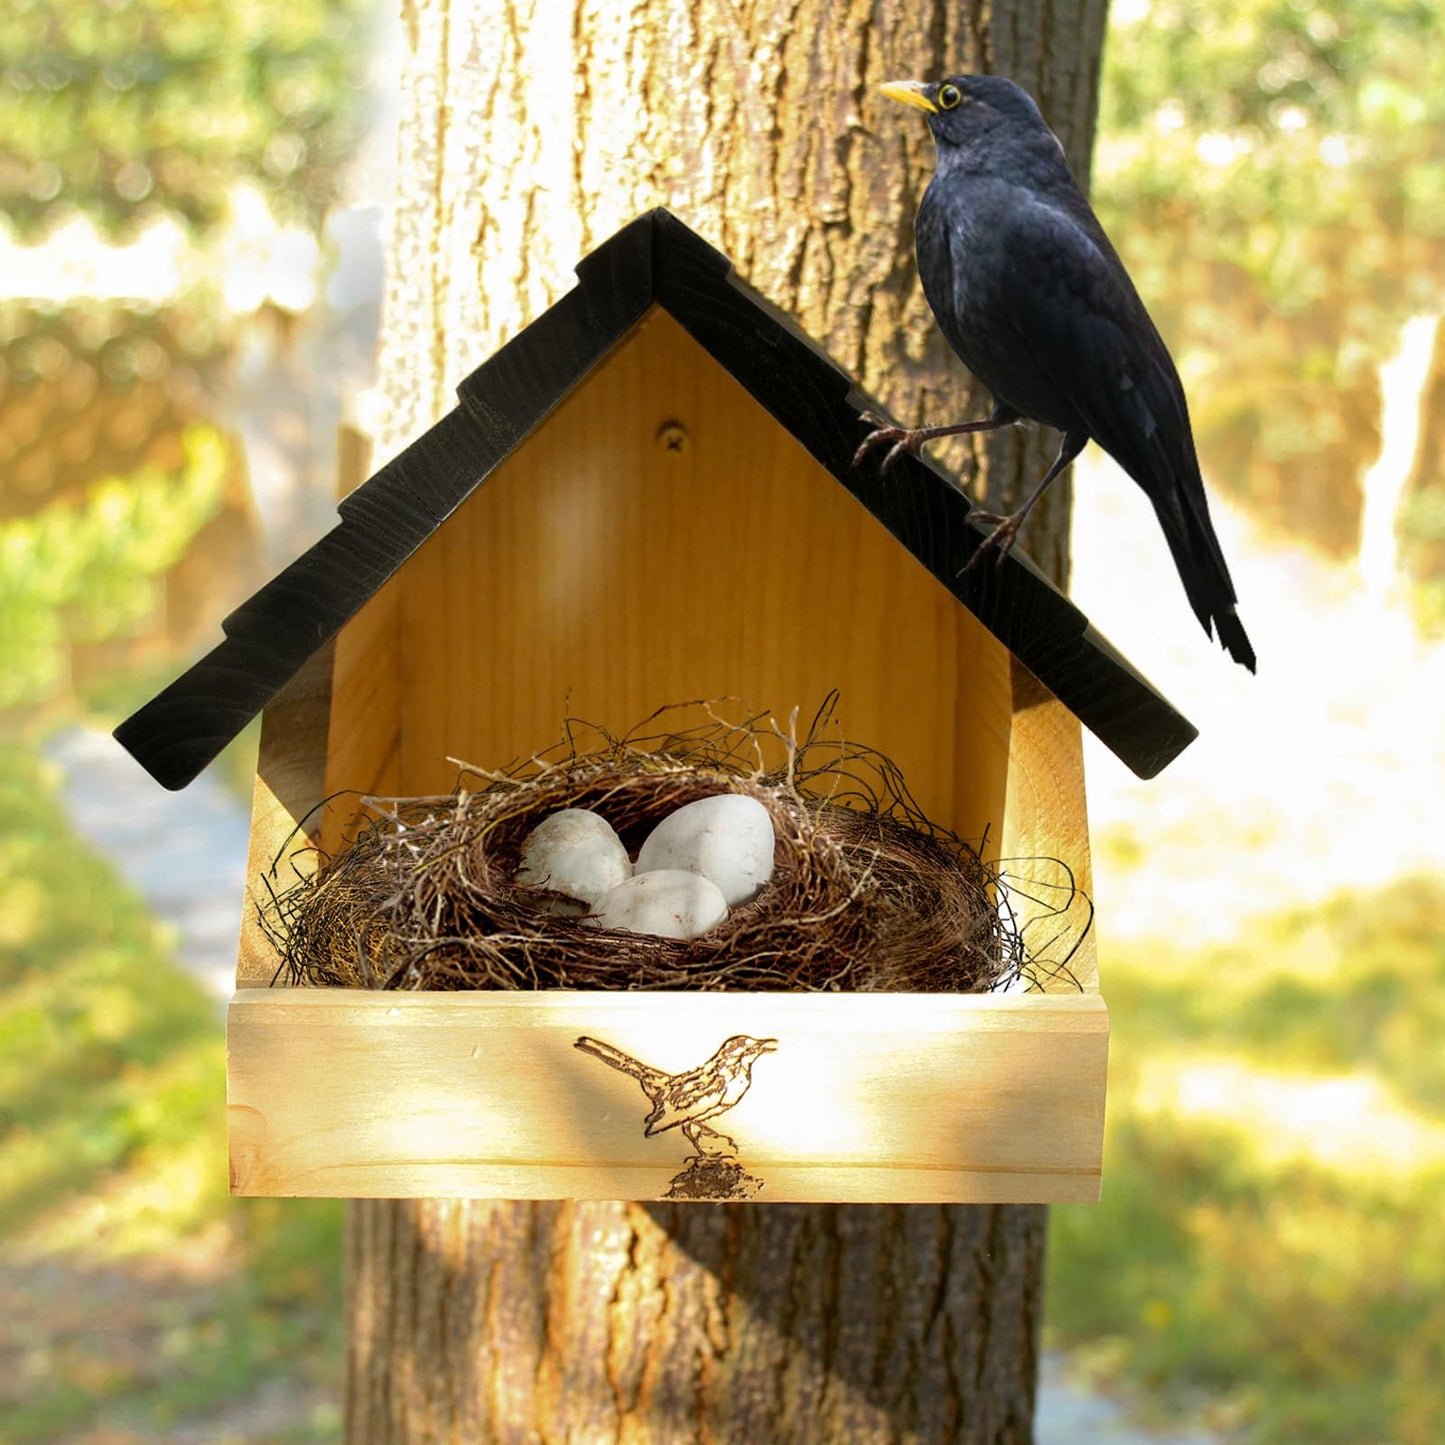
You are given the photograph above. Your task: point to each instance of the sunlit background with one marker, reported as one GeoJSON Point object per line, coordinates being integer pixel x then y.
{"type": "Point", "coordinates": [190, 276]}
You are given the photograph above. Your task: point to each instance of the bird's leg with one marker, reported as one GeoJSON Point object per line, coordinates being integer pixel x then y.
{"type": "Point", "coordinates": [1005, 529]}
{"type": "Point", "coordinates": [911, 439]}
{"type": "Point", "coordinates": [726, 1144]}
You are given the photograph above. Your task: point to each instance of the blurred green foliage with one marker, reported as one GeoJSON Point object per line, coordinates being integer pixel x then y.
{"type": "Point", "coordinates": [92, 571]}
{"type": "Point", "coordinates": [1270, 1260]}
{"type": "Point", "coordinates": [1271, 173]}
{"type": "Point", "coordinates": [122, 110]}
{"type": "Point", "coordinates": [138, 1294]}
{"type": "Point", "coordinates": [100, 389]}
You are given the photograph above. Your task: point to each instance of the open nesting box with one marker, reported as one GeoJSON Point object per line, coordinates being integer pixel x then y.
{"type": "Point", "coordinates": [670, 511]}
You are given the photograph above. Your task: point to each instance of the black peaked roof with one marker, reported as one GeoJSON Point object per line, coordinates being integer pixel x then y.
{"type": "Point", "coordinates": [656, 260]}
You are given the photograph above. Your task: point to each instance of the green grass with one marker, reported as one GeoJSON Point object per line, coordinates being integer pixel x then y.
{"type": "Point", "coordinates": [1269, 1258]}
{"type": "Point", "coordinates": [140, 1295]}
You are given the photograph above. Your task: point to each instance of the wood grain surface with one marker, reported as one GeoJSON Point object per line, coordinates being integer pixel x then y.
{"type": "Point", "coordinates": [866, 1096]}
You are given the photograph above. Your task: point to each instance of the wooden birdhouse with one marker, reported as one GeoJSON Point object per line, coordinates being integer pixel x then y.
{"type": "Point", "coordinates": [647, 496]}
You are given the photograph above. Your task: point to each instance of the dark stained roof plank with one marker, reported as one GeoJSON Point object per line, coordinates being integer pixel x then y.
{"type": "Point", "coordinates": [653, 259]}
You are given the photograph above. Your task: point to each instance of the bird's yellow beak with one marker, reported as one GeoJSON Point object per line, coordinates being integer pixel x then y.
{"type": "Point", "coordinates": [910, 92]}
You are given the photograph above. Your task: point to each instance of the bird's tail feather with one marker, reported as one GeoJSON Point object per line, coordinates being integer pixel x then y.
{"type": "Point", "coordinates": [606, 1053]}
{"type": "Point", "coordinates": [1202, 569]}
{"type": "Point", "coordinates": [1233, 639]}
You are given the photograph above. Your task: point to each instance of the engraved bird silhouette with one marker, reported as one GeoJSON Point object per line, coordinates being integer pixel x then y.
{"type": "Point", "coordinates": [685, 1101]}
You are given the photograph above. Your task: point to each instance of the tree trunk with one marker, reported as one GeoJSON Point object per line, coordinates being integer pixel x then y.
{"type": "Point", "coordinates": [530, 133]}
{"type": "Point", "coordinates": [477, 1321]}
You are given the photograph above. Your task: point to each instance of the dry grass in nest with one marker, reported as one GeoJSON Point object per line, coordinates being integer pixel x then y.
{"type": "Point", "coordinates": [866, 894]}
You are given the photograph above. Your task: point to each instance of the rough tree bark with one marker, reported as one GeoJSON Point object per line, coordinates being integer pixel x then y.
{"type": "Point", "coordinates": [531, 131]}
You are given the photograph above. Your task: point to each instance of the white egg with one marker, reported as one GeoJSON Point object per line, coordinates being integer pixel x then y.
{"type": "Point", "coordinates": [575, 852]}
{"type": "Point", "coordinates": [666, 902]}
{"type": "Point", "coordinates": [728, 838]}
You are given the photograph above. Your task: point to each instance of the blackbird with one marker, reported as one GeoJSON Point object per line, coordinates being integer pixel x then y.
{"type": "Point", "coordinates": [1038, 306]}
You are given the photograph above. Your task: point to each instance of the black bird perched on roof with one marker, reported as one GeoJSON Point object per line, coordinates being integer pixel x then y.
{"type": "Point", "coordinates": [1038, 306]}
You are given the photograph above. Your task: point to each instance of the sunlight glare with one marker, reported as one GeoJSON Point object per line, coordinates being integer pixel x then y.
{"type": "Point", "coordinates": [1350, 1124]}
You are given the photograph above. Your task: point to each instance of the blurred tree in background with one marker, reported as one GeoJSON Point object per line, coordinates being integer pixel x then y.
{"type": "Point", "coordinates": [1271, 171]}
{"type": "Point", "coordinates": [101, 388]}
{"type": "Point", "coordinates": [123, 110]}
{"type": "Point", "coordinates": [118, 120]}
{"type": "Point", "coordinates": [1423, 519]}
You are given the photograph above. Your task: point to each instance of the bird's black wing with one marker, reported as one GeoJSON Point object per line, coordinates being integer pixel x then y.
{"type": "Point", "coordinates": [1072, 310]}
{"type": "Point", "coordinates": [1074, 313]}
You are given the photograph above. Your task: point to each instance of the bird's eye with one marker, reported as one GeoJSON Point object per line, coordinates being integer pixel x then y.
{"type": "Point", "coordinates": [948, 96]}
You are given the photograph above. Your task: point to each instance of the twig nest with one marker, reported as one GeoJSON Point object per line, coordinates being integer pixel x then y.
{"type": "Point", "coordinates": [665, 902]}
{"type": "Point", "coordinates": [575, 852]}
{"type": "Point", "coordinates": [727, 838]}
{"type": "Point", "coordinates": [866, 893]}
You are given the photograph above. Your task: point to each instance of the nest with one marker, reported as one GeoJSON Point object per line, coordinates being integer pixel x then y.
{"type": "Point", "coordinates": [866, 895]}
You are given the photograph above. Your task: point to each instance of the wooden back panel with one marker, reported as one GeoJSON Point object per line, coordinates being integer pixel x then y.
{"type": "Point", "coordinates": [604, 573]}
